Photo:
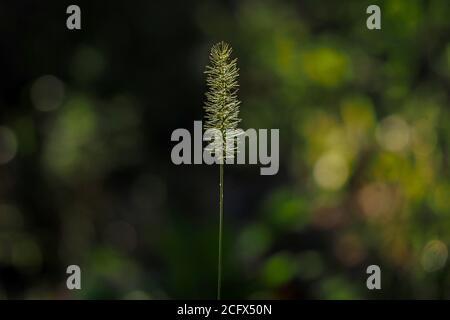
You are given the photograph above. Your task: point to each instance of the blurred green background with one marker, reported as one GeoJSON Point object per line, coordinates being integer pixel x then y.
{"type": "Point", "coordinates": [85, 171]}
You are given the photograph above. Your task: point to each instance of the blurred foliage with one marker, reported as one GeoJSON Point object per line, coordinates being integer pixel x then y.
{"type": "Point", "coordinates": [85, 171]}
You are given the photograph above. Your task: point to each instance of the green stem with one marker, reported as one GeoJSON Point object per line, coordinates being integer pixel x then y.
{"type": "Point", "coordinates": [219, 264]}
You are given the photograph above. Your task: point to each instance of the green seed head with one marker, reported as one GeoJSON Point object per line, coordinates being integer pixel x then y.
{"type": "Point", "coordinates": [222, 105]}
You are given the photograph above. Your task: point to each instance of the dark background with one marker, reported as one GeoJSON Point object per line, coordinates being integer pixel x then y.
{"type": "Point", "coordinates": [86, 176]}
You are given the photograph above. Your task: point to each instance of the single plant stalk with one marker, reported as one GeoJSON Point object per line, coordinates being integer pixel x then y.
{"type": "Point", "coordinates": [222, 114]}
{"type": "Point", "coordinates": [219, 263]}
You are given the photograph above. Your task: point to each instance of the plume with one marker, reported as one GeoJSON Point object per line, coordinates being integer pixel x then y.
{"type": "Point", "coordinates": [222, 104]}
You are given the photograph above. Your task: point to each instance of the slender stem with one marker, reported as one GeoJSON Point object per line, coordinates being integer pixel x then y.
{"type": "Point", "coordinates": [219, 264]}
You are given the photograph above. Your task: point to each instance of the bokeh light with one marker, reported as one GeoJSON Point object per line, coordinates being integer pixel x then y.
{"type": "Point", "coordinates": [393, 133]}
{"type": "Point", "coordinates": [434, 255]}
{"type": "Point", "coordinates": [47, 93]}
{"type": "Point", "coordinates": [8, 145]}
{"type": "Point", "coordinates": [331, 171]}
